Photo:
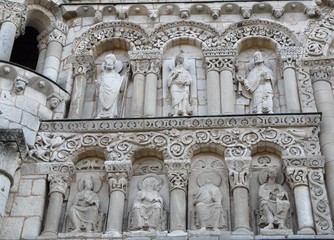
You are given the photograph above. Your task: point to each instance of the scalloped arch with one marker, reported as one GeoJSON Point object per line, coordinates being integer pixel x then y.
{"type": "Point", "coordinates": [207, 35]}
{"type": "Point", "coordinates": [131, 32]}
{"type": "Point", "coordinates": [284, 37]}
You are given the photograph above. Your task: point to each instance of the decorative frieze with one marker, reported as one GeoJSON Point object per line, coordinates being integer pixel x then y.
{"type": "Point", "coordinates": [145, 61]}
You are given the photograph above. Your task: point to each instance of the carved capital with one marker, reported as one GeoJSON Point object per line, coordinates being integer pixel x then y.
{"type": "Point", "coordinates": [177, 173]}
{"type": "Point", "coordinates": [145, 61]}
{"type": "Point", "coordinates": [296, 176]}
{"type": "Point", "coordinates": [14, 12]}
{"type": "Point", "coordinates": [220, 59]}
{"type": "Point", "coordinates": [57, 31]}
{"type": "Point", "coordinates": [118, 181]}
{"type": "Point", "coordinates": [290, 56]}
{"type": "Point", "coordinates": [60, 176]}
{"type": "Point", "coordinates": [82, 65]}
{"type": "Point", "coordinates": [320, 73]}
{"type": "Point", "coordinates": [309, 162]}
{"type": "Point", "coordinates": [238, 172]}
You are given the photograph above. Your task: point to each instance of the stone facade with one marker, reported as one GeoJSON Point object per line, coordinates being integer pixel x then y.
{"type": "Point", "coordinates": [165, 120]}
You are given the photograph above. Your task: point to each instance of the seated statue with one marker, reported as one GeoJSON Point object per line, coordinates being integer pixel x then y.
{"type": "Point", "coordinates": [274, 202]}
{"type": "Point", "coordinates": [147, 211]}
{"type": "Point", "coordinates": [84, 211]}
{"type": "Point", "coordinates": [208, 205]}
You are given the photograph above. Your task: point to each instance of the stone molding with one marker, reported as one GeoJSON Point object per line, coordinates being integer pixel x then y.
{"type": "Point", "coordinates": [309, 161]}
{"type": "Point", "coordinates": [14, 12]}
{"type": "Point", "coordinates": [209, 122]}
{"type": "Point", "coordinates": [306, 90]}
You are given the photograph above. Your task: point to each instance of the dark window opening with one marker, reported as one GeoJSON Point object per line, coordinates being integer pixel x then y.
{"type": "Point", "coordinates": [25, 51]}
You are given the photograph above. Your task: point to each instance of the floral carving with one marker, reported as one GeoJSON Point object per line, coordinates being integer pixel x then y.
{"type": "Point", "coordinates": [238, 172]}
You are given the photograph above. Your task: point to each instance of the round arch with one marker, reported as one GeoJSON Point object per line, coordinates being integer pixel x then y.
{"type": "Point", "coordinates": [134, 35]}
{"type": "Point", "coordinates": [39, 17]}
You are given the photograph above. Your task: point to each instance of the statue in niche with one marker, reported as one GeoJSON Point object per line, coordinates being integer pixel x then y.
{"type": "Point", "coordinates": [179, 81]}
{"type": "Point", "coordinates": [110, 85]}
{"type": "Point", "coordinates": [208, 203]}
{"type": "Point", "coordinates": [84, 212]}
{"type": "Point", "coordinates": [274, 201]}
{"type": "Point", "coordinates": [148, 206]}
{"type": "Point", "coordinates": [259, 83]}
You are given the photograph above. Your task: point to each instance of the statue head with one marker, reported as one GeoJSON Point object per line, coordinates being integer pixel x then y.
{"type": "Point", "coordinates": [19, 85]}
{"type": "Point", "coordinates": [151, 183]}
{"type": "Point", "coordinates": [258, 57]}
{"type": "Point", "coordinates": [179, 59]}
{"type": "Point", "coordinates": [109, 62]}
{"type": "Point", "coordinates": [88, 182]}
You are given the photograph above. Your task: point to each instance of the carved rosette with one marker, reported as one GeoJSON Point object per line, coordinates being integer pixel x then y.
{"type": "Point", "coordinates": [60, 177]}
{"type": "Point", "coordinates": [220, 59]}
{"type": "Point", "coordinates": [119, 173]}
{"type": "Point", "coordinates": [321, 73]}
{"type": "Point", "coordinates": [238, 172]}
{"type": "Point", "coordinates": [14, 12]}
{"type": "Point", "coordinates": [145, 61]}
{"type": "Point", "coordinates": [296, 176]}
{"type": "Point", "coordinates": [178, 173]}
{"type": "Point", "coordinates": [319, 200]}
{"type": "Point", "coordinates": [82, 65]}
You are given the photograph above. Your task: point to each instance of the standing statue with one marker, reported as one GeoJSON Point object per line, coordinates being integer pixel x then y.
{"type": "Point", "coordinates": [148, 206]}
{"type": "Point", "coordinates": [179, 81]}
{"type": "Point", "coordinates": [260, 82]}
{"type": "Point", "coordinates": [208, 203]}
{"type": "Point", "coordinates": [84, 211]}
{"type": "Point", "coordinates": [111, 83]}
{"type": "Point", "coordinates": [274, 201]}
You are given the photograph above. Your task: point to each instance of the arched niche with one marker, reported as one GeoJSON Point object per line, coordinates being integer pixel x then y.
{"type": "Point", "coordinates": [193, 60]}
{"type": "Point", "coordinates": [148, 196]}
{"type": "Point", "coordinates": [268, 157]}
{"type": "Point", "coordinates": [206, 165]}
{"type": "Point", "coordinates": [245, 103]}
{"type": "Point", "coordinates": [86, 204]}
{"type": "Point", "coordinates": [119, 47]}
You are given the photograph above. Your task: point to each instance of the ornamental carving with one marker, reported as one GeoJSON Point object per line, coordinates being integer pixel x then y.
{"type": "Point", "coordinates": [57, 31]}
{"type": "Point", "coordinates": [319, 200]}
{"type": "Point", "coordinates": [321, 73]}
{"type": "Point", "coordinates": [133, 33]}
{"type": "Point", "coordinates": [220, 59]}
{"type": "Point", "coordinates": [238, 172]}
{"type": "Point", "coordinates": [82, 65]}
{"type": "Point", "coordinates": [118, 181]}
{"type": "Point", "coordinates": [306, 90]}
{"type": "Point", "coordinates": [258, 28]}
{"type": "Point", "coordinates": [166, 32]}
{"type": "Point", "coordinates": [14, 12]}
{"type": "Point", "coordinates": [296, 176]}
{"type": "Point", "coordinates": [177, 172]}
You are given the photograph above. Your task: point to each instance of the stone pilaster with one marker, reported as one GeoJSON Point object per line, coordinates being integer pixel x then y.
{"type": "Point", "coordinates": [118, 179]}
{"type": "Point", "coordinates": [59, 179]}
{"type": "Point", "coordinates": [82, 71]}
{"type": "Point", "coordinates": [177, 171]}
{"type": "Point", "coordinates": [220, 71]}
{"type": "Point", "coordinates": [239, 182]}
{"type": "Point", "coordinates": [298, 182]}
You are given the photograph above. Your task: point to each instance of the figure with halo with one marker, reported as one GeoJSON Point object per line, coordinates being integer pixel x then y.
{"type": "Point", "coordinates": [274, 201]}
{"type": "Point", "coordinates": [208, 203]}
{"type": "Point", "coordinates": [179, 81]}
{"type": "Point", "coordinates": [110, 85]}
{"type": "Point", "coordinates": [148, 206]}
{"type": "Point", "coordinates": [259, 83]}
{"type": "Point", "coordinates": [84, 212]}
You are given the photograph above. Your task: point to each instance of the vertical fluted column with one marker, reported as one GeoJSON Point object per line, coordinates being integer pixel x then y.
{"type": "Point", "coordinates": [118, 178]}
{"type": "Point", "coordinates": [298, 182]}
{"type": "Point", "coordinates": [56, 40]}
{"type": "Point", "coordinates": [9, 162]}
{"type": "Point", "coordinates": [82, 71]}
{"type": "Point", "coordinates": [59, 179]}
{"type": "Point", "coordinates": [178, 182]}
{"type": "Point", "coordinates": [13, 19]}
{"type": "Point", "coordinates": [42, 47]}
{"type": "Point", "coordinates": [239, 182]}
{"type": "Point", "coordinates": [323, 95]}
{"type": "Point", "coordinates": [290, 81]}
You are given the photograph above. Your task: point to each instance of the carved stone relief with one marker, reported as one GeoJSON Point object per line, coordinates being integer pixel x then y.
{"type": "Point", "coordinates": [208, 195]}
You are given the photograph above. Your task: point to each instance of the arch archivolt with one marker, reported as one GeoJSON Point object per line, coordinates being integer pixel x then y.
{"type": "Point", "coordinates": [39, 17]}
{"type": "Point", "coordinates": [178, 144]}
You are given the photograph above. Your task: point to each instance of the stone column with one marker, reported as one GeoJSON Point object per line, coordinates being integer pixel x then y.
{"type": "Point", "coordinates": [9, 162]}
{"type": "Point", "coordinates": [178, 182]}
{"type": "Point", "coordinates": [118, 175]}
{"type": "Point", "coordinates": [151, 88]}
{"type": "Point", "coordinates": [324, 100]}
{"type": "Point", "coordinates": [82, 69]}
{"type": "Point", "coordinates": [239, 182]}
{"type": "Point", "coordinates": [42, 47]}
{"type": "Point", "coordinates": [59, 179]}
{"type": "Point", "coordinates": [297, 180]}
{"type": "Point", "coordinates": [226, 86]}
{"type": "Point", "coordinates": [213, 91]}
{"type": "Point", "coordinates": [290, 85]}
{"type": "Point", "coordinates": [57, 36]}
{"type": "Point", "coordinates": [13, 20]}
